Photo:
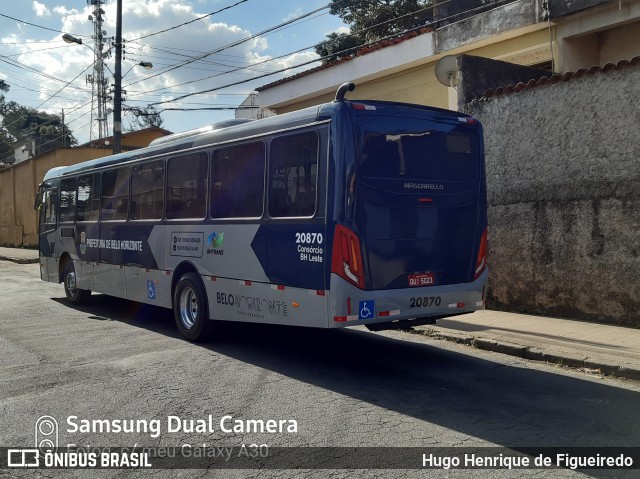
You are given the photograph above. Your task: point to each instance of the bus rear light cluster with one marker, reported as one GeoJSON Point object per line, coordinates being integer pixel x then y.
{"type": "Point", "coordinates": [346, 261]}
{"type": "Point", "coordinates": [362, 107]}
{"type": "Point", "coordinates": [481, 262]}
{"type": "Point", "coordinates": [468, 120]}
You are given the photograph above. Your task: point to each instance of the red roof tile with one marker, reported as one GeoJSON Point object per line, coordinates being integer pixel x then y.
{"type": "Point", "coordinates": [559, 77]}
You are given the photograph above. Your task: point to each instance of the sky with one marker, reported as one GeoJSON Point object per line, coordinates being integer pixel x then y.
{"type": "Point", "coordinates": [46, 73]}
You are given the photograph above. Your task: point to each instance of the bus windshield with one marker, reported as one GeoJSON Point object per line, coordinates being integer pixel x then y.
{"type": "Point", "coordinates": [415, 149]}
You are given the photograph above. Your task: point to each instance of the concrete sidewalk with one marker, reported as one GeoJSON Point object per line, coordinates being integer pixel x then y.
{"type": "Point", "coordinates": [600, 348]}
{"type": "Point", "coordinates": [611, 350]}
{"type": "Point", "coordinates": [19, 255]}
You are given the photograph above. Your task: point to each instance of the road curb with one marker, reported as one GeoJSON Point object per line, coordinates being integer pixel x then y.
{"type": "Point", "coordinates": [534, 354]}
{"type": "Point", "coordinates": [13, 259]}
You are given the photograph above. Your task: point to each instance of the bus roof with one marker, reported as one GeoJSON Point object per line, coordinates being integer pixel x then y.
{"type": "Point", "coordinates": [231, 130]}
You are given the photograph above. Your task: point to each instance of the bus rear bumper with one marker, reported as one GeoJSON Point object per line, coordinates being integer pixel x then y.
{"type": "Point", "coordinates": [350, 306]}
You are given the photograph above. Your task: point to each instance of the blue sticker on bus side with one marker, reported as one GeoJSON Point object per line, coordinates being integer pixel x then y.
{"type": "Point", "coordinates": [367, 310]}
{"type": "Point", "coordinates": [151, 289]}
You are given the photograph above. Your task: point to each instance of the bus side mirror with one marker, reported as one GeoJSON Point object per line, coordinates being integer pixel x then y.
{"type": "Point", "coordinates": [38, 202]}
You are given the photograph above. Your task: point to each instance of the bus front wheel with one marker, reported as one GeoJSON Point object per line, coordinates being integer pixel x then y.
{"type": "Point", "coordinates": [74, 295]}
{"type": "Point", "coordinates": [190, 308]}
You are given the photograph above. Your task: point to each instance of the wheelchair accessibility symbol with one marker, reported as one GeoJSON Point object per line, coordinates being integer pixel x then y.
{"type": "Point", "coordinates": [367, 310]}
{"type": "Point", "coordinates": [151, 289]}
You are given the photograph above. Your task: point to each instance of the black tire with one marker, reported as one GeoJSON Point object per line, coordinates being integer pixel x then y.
{"type": "Point", "coordinates": [74, 295]}
{"type": "Point", "coordinates": [190, 308]}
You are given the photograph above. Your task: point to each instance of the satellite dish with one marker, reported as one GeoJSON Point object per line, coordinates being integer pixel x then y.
{"type": "Point", "coordinates": [447, 70]}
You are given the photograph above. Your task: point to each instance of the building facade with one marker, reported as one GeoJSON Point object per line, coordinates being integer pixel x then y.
{"type": "Point", "coordinates": [553, 35]}
{"type": "Point", "coordinates": [18, 183]}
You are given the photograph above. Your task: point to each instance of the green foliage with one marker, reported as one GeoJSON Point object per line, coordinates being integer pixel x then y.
{"type": "Point", "coordinates": [21, 124]}
{"type": "Point", "coordinates": [338, 45]}
{"type": "Point", "coordinates": [372, 20]}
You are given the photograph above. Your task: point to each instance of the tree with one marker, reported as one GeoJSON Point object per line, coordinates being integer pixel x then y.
{"type": "Point", "coordinates": [146, 117]}
{"type": "Point", "coordinates": [338, 45]}
{"type": "Point", "coordinates": [5, 140]}
{"type": "Point", "coordinates": [21, 124]}
{"type": "Point", "coordinates": [372, 20]}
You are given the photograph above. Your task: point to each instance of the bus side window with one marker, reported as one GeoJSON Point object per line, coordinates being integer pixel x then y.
{"type": "Point", "coordinates": [237, 181]}
{"type": "Point", "coordinates": [147, 190]}
{"type": "Point", "coordinates": [115, 194]}
{"type": "Point", "coordinates": [187, 186]}
{"type": "Point", "coordinates": [88, 207]}
{"type": "Point", "coordinates": [293, 175]}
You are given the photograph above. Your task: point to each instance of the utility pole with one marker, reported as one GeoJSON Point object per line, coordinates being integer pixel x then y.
{"type": "Point", "coordinates": [99, 126]}
{"type": "Point", "coordinates": [117, 94]}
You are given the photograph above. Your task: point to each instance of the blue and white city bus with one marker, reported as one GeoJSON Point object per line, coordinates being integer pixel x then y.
{"type": "Point", "coordinates": [348, 213]}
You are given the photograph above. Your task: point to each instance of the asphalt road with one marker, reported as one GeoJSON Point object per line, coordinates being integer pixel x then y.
{"type": "Point", "coordinates": [117, 360]}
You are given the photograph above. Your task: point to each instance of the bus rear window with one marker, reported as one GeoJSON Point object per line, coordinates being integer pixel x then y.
{"type": "Point", "coordinates": [408, 148]}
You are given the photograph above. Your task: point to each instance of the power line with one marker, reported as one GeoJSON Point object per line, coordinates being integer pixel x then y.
{"type": "Point", "coordinates": [396, 34]}
{"type": "Point", "coordinates": [34, 25]}
{"type": "Point", "coordinates": [2, 160]}
{"type": "Point", "coordinates": [21, 87]}
{"type": "Point", "coordinates": [213, 108]}
{"type": "Point", "coordinates": [15, 63]}
{"type": "Point", "coordinates": [175, 51]}
{"type": "Point", "coordinates": [38, 50]}
{"type": "Point", "coordinates": [51, 96]}
{"type": "Point", "coordinates": [29, 42]}
{"type": "Point", "coordinates": [202, 56]}
{"type": "Point", "coordinates": [233, 44]}
{"type": "Point", "coordinates": [190, 21]}
{"type": "Point", "coordinates": [294, 52]}
{"type": "Point", "coordinates": [231, 71]}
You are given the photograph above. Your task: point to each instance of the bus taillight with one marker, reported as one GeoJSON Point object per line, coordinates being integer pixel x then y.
{"type": "Point", "coordinates": [346, 261]}
{"type": "Point", "coordinates": [481, 262]}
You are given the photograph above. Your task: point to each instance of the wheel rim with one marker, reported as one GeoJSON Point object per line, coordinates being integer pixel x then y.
{"type": "Point", "coordinates": [189, 307]}
{"type": "Point", "coordinates": [70, 283]}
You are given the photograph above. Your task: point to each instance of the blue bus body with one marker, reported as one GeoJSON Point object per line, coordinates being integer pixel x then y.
{"type": "Point", "coordinates": [349, 213]}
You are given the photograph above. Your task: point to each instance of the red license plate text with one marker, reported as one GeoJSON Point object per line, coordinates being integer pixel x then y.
{"type": "Point", "coordinates": [422, 279]}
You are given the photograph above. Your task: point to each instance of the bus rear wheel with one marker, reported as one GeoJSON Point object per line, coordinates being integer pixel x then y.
{"type": "Point", "coordinates": [190, 308]}
{"type": "Point", "coordinates": [74, 295]}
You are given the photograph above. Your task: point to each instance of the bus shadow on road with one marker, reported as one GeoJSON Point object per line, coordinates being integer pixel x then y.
{"type": "Point", "coordinates": [510, 405]}
{"type": "Point", "coordinates": [101, 307]}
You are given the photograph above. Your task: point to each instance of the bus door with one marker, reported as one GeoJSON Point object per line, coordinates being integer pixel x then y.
{"type": "Point", "coordinates": [114, 212]}
{"type": "Point", "coordinates": [420, 201]}
{"type": "Point", "coordinates": [47, 222]}
{"type": "Point", "coordinates": [87, 232]}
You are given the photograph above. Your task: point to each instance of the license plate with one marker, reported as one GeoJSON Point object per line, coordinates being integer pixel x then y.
{"type": "Point", "coordinates": [422, 279]}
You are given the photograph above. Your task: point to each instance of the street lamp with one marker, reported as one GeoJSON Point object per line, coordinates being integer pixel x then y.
{"type": "Point", "coordinates": [98, 84]}
{"type": "Point", "coordinates": [117, 76]}
{"type": "Point", "coordinates": [71, 39]}
{"type": "Point", "coordinates": [145, 65]}
{"type": "Point", "coordinates": [117, 96]}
